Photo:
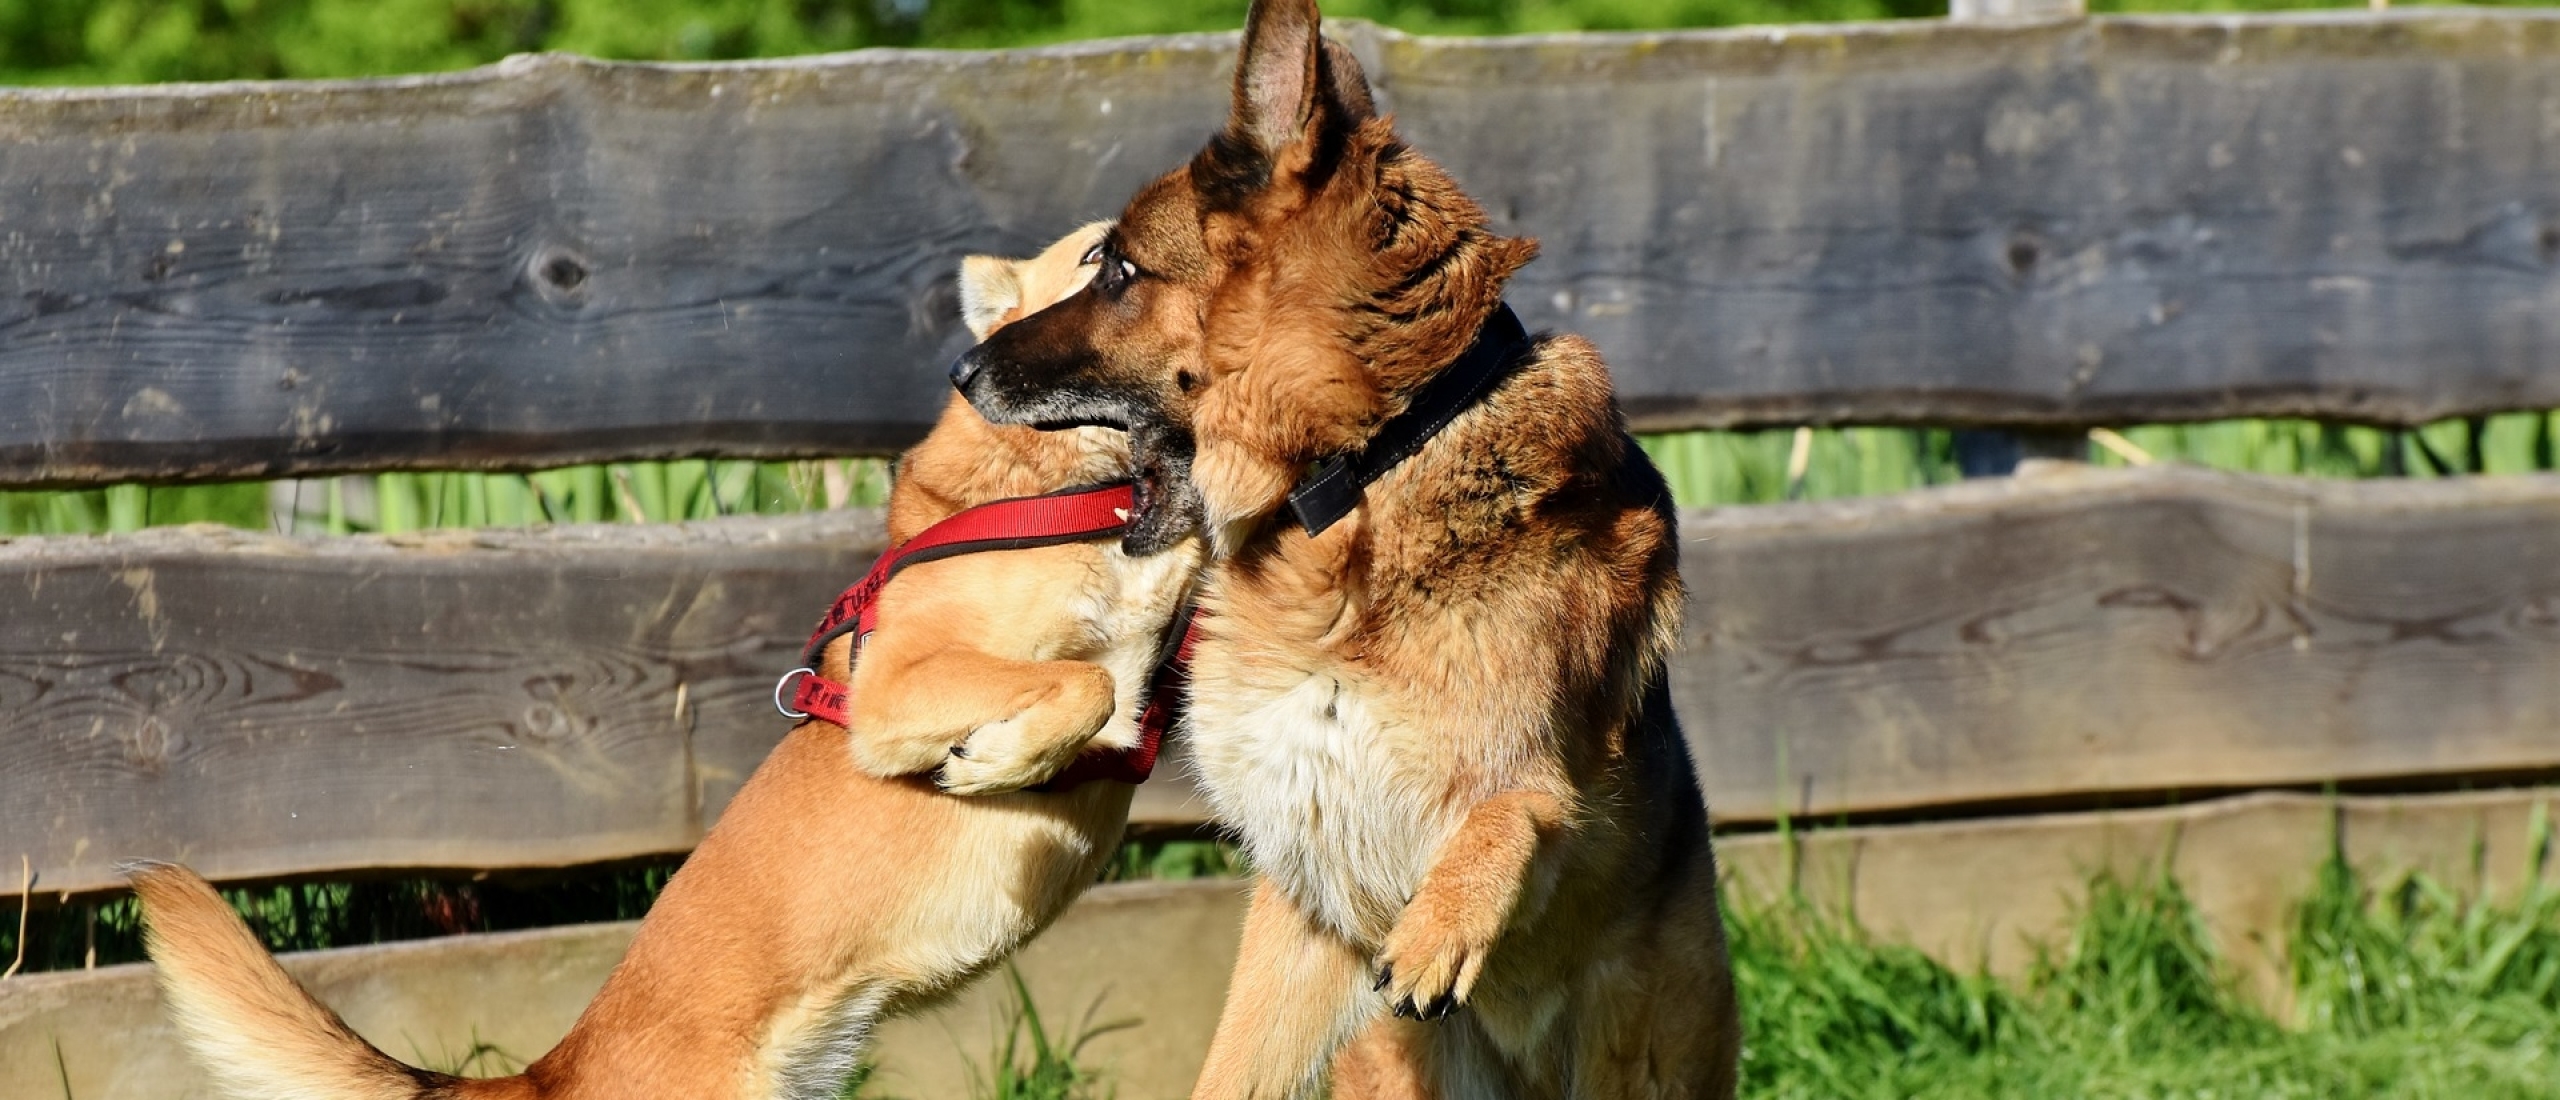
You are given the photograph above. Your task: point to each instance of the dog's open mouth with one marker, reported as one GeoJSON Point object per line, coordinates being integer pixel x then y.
{"type": "Point", "coordinates": [1164, 508]}
{"type": "Point", "coordinates": [1146, 490]}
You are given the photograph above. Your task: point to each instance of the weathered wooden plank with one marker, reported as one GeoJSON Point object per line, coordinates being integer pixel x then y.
{"type": "Point", "coordinates": [261, 706]}
{"type": "Point", "coordinates": [2088, 633]}
{"type": "Point", "coordinates": [2340, 214]}
{"type": "Point", "coordinates": [543, 261]}
{"type": "Point", "coordinates": [2060, 223]}
{"type": "Point", "coordinates": [265, 706]}
{"type": "Point", "coordinates": [433, 1002]}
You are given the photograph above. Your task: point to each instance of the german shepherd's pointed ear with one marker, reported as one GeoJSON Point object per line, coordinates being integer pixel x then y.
{"type": "Point", "coordinates": [1291, 84]}
{"type": "Point", "coordinates": [1276, 77]}
{"type": "Point", "coordinates": [1346, 88]}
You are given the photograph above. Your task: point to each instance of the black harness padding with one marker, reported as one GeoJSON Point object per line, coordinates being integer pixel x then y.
{"type": "Point", "coordinates": [1333, 488]}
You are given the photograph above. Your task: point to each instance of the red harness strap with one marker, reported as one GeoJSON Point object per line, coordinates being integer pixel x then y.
{"type": "Point", "coordinates": [1071, 515]}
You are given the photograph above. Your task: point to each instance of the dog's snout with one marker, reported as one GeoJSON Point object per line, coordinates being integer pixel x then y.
{"type": "Point", "coordinates": [966, 368]}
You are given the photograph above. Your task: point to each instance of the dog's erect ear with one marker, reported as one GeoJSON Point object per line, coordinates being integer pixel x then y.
{"type": "Point", "coordinates": [1277, 78]}
{"type": "Point", "coordinates": [990, 286]}
{"type": "Point", "coordinates": [1346, 88]}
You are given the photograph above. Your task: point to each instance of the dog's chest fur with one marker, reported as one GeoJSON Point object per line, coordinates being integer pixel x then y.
{"type": "Point", "coordinates": [1306, 757]}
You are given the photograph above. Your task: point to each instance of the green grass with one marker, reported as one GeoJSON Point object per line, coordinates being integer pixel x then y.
{"type": "Point", "coordinates": [1029, 1063]}
{"type": "Point", "coordinates": [2402, 991]}
{"type": "Point", "coordinates": [1704, 468]}
{"type": "Point", "coordinates": [1720, 468]}
{"type": "Point", "coordinates": [1174, 861]}
{"type": "Point", "coordinates": [622, 492]}
{"type": "Point", "coordinates": [311, 916]}
{"type": "Point", "coordinates": [98, 41]}
{"type": "Point", "coordinates": [1026, 1061]}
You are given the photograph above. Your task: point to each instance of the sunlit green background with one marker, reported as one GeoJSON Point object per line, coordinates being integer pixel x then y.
{"type": "Point", "coordinates": [89, 41]}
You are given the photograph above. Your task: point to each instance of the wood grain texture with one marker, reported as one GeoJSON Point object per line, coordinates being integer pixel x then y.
{"type": "Point", "coordinates": [263, 707]}
{"type": "Point", "coordinates": [2078, 633]}
{"type": "Point", "coordinates": [549, 260]}
{"type": "Point", "coordinates": [258, 706]}
{"type": "Point", "coordinates": [2338, 214]}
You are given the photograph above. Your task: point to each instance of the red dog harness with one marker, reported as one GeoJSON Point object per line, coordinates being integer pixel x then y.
{"type": "Point", "coordinates": [1021, 523]}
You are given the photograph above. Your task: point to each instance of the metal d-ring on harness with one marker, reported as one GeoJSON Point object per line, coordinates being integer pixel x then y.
{"type": "Point", "coordinates": [1021, 523]}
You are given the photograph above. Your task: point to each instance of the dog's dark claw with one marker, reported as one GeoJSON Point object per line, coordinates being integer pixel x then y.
{"type": "Point", "coordinates": [1385, 974]}
{"type": "Point", "coordinates": [1404, 1008]}
{"type": "Point", "coordinates": [1441, 1006]}
{"type": "Point", "coordinates": [960, 752]}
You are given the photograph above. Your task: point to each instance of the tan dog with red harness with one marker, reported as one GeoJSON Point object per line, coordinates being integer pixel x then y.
{"type": "Point", "coordinates": [828, 895]}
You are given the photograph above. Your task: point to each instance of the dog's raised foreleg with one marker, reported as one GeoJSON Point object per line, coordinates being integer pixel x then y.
{"type": "Point", "coordinates": [1437, 949]}
{"type": "Point", "coordinates": [1298, 994]}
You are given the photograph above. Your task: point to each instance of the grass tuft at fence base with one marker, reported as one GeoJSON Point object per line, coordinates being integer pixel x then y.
{"type": "Point", "coordinates": [2404, 990]}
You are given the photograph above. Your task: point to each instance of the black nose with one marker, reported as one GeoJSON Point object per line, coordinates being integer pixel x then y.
{"type": "Point", "coordinates": [965, 368]}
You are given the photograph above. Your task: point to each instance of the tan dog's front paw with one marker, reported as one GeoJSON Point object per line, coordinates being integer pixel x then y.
{"type": "Point", "coordinates": [1027, 748]}
{"type": "Point", "coordinates": [1431, 961]}
{"type": "Point", "coordinates": [891, 757]}
{"type": "Point", "coordinates": [1004, 756]}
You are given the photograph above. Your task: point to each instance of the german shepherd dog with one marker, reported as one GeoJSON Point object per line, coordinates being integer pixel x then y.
{"type": "Point", "coordinates": [1441, 727]}
{"type": "Point", "coordinates": [828, 893]}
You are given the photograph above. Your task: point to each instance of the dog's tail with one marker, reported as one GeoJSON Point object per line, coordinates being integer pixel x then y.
{"type": "Point", "coordinates": [255, 1032]}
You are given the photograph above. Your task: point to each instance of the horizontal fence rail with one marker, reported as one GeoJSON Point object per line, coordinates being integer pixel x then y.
{"type": "Point", "coordinates": [263, 707]}
{"type": "Point", "coordinates": [2090, 633]}
{"type": "Point", "coordinates": [552, 260]}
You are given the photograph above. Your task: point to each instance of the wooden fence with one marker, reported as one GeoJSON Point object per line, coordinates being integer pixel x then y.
{"type": "Point", "coordinates": [2035, 226]}
{"type": "Point", "coordinates": [552, 260]}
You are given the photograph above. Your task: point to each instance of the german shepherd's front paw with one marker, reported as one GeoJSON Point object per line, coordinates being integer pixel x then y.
{"type": "Point", "coordinates": [1432, 959]}
{"type": "Point", "coordinates": [1026, 749]}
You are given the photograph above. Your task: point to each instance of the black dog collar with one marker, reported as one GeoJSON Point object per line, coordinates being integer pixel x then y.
{"type": "Point", "coordinates": [1333, 488]}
